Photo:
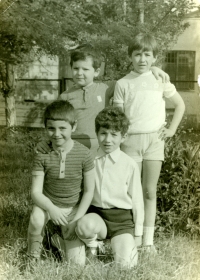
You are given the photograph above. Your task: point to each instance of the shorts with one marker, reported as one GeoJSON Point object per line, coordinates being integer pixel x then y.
{"type": "Point", "coordinates": [118, 221]}
{"type": "Point", "coordinates": [71, 213]}
{"type": "Point", "coordinates": [144, 146]}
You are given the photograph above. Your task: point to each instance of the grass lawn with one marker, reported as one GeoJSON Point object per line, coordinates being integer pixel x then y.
{"type": "Point", "coordinates": [178, 258]}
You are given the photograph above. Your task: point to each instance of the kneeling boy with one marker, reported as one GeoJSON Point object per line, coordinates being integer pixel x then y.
{"type": "Point", "coordinates": [62, 183]}
{"type": "Point", "coordinates": [117, 210]}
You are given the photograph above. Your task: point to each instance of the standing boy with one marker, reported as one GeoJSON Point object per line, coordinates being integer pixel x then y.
{"type": "Point", "coordinates": [117, 210]}
{"type": "Point", "coordinates": [62, 183]}
{"type": "Point", "coordinates": [87, 97]}
{"type": "Point", "coordinates": [142, 98]}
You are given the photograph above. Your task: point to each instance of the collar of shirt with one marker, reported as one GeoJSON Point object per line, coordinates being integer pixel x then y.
{"type": "Point", "coordinates": [135, 74]}
{"type": "Point", "coordinates": [89, 85]}
{"type": "Point", "coordinates": [114, 155]}
{"type": "Point", "coordinates": [61, 151]}
{"type": "Point", "coordinates": [83, 88]}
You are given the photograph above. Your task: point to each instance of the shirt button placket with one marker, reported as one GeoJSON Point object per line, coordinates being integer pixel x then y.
{"type": "Point", "coordinates": [62, 165]}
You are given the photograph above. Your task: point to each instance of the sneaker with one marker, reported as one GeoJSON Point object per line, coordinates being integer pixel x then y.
{"type": "Point", "coordinates": [101, 247]}
{"type": "Point", "coordinates": [93, 253]}
{"type": "Point", "coordinates": [149, 249]}
{"type": "Point", "coordinates": [58, 242]}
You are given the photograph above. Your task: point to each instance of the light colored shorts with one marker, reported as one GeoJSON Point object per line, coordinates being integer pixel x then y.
{"type": "Point", "coordinates": [145, 146]}
{"type": "Point", "coordinates": [71, 213]}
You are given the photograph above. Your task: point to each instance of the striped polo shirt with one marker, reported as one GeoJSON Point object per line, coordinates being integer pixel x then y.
{"type": "Point", "coordinates": [63, 174]}
{"type": "Point", "coordinates": [88, 102]}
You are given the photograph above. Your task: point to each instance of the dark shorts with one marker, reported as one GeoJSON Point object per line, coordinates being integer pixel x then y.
{"type": "Point", "coordinates": [118, 221]}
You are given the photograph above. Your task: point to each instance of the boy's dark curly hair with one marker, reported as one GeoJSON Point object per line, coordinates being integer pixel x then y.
{"type": "Point", "coordinates": [85, 52]}
{"type": "Point", "coordinates": [60, 110]}
{"type": "Point", "coordinates": [112, 118]}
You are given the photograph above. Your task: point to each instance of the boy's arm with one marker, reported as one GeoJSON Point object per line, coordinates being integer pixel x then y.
{"type": "Point", "coordinates": [56, 214]}
{"type": "Point", "coordinates": [177, 101]}
{"type": "Point", "coordinates": [135, 190]}
{"type": "Point", "coordinates": [88, 193]}
{"type": "Point", "coordinates": [159, 73]}
{"type": "Point", "coordinates": [118, 99]}
{"type": "Point", "coordinates": [42, 147]}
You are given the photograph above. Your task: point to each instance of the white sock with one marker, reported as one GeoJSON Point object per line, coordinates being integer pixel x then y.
{"type": "Point", "coordinates": [148, 234]}
{"type": "Point", "coordinates": [89, 242]}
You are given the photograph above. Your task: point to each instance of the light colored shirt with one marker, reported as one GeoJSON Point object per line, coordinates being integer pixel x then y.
{"type": "Point", "coordinates": [63, 174]}
{"type": "Point", "coordinates": [88, 102]}
{"type": "Point", "coordinates": [118, 185]}
{"type": "Point", "coordinates": [143, 98]}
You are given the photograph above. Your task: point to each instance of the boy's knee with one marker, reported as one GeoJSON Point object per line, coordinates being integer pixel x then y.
{"type": "Point", "coordinates": [85, 227]}
{"type": "Point", "coordinates": [36, 221]}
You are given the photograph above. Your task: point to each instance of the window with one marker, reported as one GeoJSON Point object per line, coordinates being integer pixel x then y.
{"type": "Point", "coordinates": [180, 65]}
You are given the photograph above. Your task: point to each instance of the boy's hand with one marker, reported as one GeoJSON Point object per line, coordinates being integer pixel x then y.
{"type": "Point", "coordinates": [58, 215]}
{"type": "Point", "coordinates": [165, 133]}
{"type": "Point", "coordinates": [42, 147]}
{"type": "Point", "coordinates": [159, 73]}
{"type": "Point", "coordinates": [70, 233]}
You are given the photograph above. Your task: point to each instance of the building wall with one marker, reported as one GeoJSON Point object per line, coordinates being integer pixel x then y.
{"type": "Point", "coordinates": [190, 41]}
{"type": "Point", "coordinates": [37, 83]}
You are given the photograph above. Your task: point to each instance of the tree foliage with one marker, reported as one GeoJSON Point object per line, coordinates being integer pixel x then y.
{"type": "Point", "coordinates": [55, 26]}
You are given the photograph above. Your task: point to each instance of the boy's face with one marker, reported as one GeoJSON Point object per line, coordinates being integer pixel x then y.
{"type": "Point", "coordinates": [83, 72]}
{"type": "Point", "coordinates": [59, 132]}
{"type": "Point", "coordinates": [142, 60]}
{"type": "Point", "coordinates": [109, 140]}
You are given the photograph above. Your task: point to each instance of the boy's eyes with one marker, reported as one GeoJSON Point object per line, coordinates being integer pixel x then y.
{"type": "Point", "coordinates": [52, 128]}
{"type": "Point", "coordinates": [104, 133]}
{"type": "Point", "coordinates": [139, 54]}
{"type": "Point", "coordinates": [76, 68]}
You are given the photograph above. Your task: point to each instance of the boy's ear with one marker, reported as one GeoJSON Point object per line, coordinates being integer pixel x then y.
{"type": "Point", "coordinates": [155, 58]}
{"type": "Point", "coordinates": [97, 72]}
{"type": "Point", "coordinates": [74, 126]}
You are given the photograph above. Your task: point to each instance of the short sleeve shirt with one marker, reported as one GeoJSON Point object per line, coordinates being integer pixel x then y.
{"type": "Point", "coordinates": [88, 102]}
{"type": "Point", "coordinates": [143, 98]}
{"type": "Point", "coordinates": [63, 177]}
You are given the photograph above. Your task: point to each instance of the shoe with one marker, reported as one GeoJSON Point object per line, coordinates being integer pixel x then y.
{"type": "Point", "coordinates": [101, 247]}
{"type": "Point", "coordinates": [149, 249]}
{"type": "Point", "coordinates": [58, 242]}
{"type": "Point", "coordinates": [93, 253]}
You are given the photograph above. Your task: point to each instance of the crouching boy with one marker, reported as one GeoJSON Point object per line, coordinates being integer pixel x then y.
{"type": "Point", "coordinates": [62, 183]}
{"type": "Point", "coordinates": [117, 210]}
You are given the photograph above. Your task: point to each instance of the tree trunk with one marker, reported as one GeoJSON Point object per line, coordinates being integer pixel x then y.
{"type": "Point", "coordinates": [141, 11]}
{"type": "Point", "coordinates": [9, 96]}
{"type": "Point", "coordinates": [10, 111]}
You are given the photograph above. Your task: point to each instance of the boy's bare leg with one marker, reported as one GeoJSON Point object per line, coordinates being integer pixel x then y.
{"type": "Point", "coordinates": [124, 250]}
{"type": "Point", "coordinates": [150, 176]}
{"type": "Point", "coordinates": [38, 220]}
{"type": "Point", "coordinates": [75, 251]}
{"type": "Point", "coordinates": [90, 228]}
{"type": "Point", "coordinates": [91, 225]}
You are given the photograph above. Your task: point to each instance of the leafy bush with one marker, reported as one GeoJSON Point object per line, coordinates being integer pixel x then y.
{"type": "Point", "coordinates": [22, 135]}
{"type": "Point", "coordinates": [179, 185]}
